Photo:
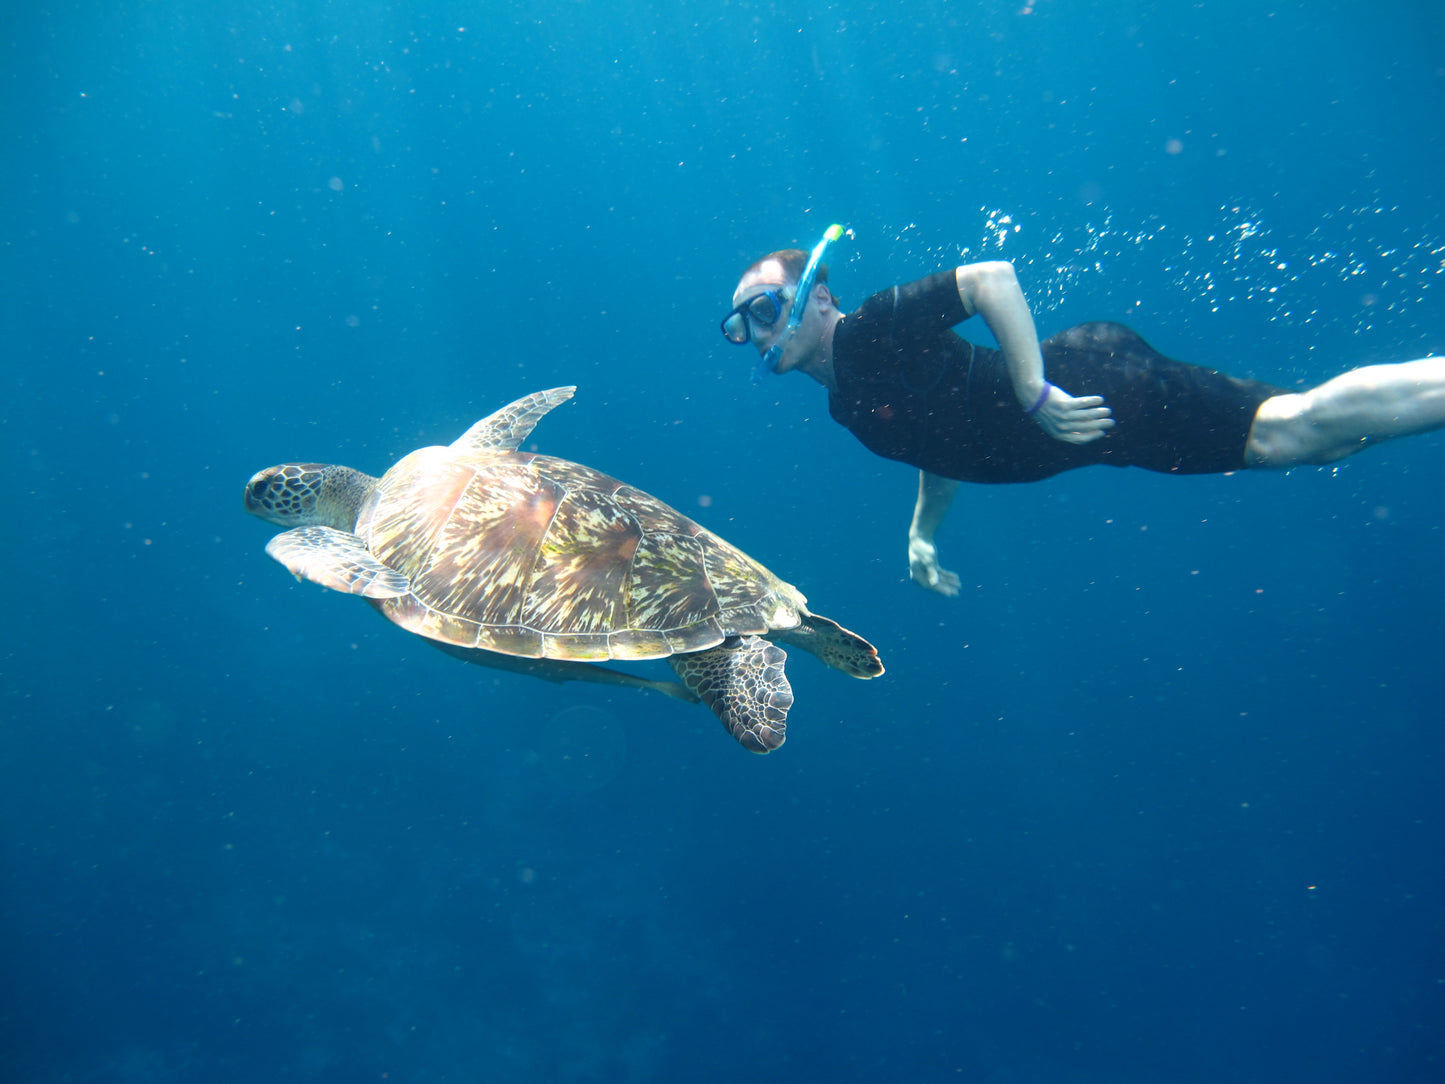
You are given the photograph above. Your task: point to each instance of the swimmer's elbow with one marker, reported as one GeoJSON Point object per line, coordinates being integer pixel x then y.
{"type": "Point", "coordinates": [979, 282]}
{"type": "Point", "coordinates": [986, 271]}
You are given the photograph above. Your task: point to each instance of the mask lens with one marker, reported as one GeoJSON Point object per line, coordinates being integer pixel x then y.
{"type": "Point", "coordinates": [762, 310]}
{"type": "Point", "coordinates": [765, 309]}
{"type": "Point", "coordinates": [735, 328]}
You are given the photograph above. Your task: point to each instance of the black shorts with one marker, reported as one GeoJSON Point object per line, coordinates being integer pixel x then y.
{"type": "Point", "coordinates": [1169, 416]}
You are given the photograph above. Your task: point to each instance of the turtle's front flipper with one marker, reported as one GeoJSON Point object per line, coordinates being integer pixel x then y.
{"type": "Point", "coordinates": [742, 680]}
{"type": "Point", "coordinates": [505, 430]}
{"type": "Point", "coordinates": [338, 560]}
{"type": "Point", "coordinates": [835, 645]}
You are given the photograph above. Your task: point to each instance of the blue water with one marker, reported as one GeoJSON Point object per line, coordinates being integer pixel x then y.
{"type": "Point", "coordinates": [1157, 798]}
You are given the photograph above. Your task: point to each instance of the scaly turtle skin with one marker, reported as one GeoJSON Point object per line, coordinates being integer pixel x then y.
{"type": "Point", "coordinates": [488, 552]}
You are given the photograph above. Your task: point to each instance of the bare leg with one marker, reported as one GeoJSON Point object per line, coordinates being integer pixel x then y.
{"type": "Point", "coordinates": [1349, 413]}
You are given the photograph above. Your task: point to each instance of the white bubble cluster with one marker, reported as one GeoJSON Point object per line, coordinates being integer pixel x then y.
{"type": "Point", "coordinates": [1356, 266]}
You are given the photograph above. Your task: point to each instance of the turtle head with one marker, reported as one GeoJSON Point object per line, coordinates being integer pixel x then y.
{"type": "Point", "coordinates": [308, 494]}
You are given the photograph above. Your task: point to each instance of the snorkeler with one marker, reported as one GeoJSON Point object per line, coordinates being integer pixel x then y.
{"type": "Point", "coordinates": [910, 388]}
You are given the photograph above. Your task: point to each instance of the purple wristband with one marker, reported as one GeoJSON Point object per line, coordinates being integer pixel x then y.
{"type": "Point", "coordinates": [1041, 400]}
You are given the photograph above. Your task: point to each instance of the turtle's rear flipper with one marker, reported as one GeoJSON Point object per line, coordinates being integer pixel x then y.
{"type": "Point", "coordinates": [338, 560]}
{"type": "Point", "coordinates": [835, 645]}
{"type": "Point", "coordinates": [560, 670]}
{"type": "Point", "coordinates": [742, 680]}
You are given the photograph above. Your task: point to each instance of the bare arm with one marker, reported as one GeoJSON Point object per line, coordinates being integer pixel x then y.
{"type": "Point", "coordinates": [935, 497]}
{"type": "Point", "coordinates": [992, 291]}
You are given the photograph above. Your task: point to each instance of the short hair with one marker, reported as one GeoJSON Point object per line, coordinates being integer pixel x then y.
{"type": "Point", "coordinates": [794, 261]}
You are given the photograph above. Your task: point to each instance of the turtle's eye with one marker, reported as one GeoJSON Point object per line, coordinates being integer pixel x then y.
{"type": "Point", "coordinates": [258, 488]}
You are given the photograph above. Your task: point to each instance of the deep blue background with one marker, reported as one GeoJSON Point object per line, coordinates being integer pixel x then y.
{"type": "Point", "coordinates": [1156, 799]}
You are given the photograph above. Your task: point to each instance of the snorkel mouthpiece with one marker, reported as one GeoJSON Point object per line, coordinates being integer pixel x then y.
{"type": "Point", "coordinates": [769, 361]}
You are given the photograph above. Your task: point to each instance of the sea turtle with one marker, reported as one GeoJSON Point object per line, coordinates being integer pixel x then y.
{"type": "Point", "coordinates": [531, 563]}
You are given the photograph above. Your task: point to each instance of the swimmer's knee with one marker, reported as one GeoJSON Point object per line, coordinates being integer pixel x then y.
{"type": "Point", "coordinates": [1290, 431]}
{"type": "Point", "coordinates": [1274, 433]}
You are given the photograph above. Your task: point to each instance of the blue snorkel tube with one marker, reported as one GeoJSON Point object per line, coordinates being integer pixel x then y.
{"type": "Point", "coordinates": [769, 361]}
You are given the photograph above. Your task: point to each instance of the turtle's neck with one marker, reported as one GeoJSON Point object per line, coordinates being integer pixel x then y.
{"type": "Point", "coordinates": [342, 491]}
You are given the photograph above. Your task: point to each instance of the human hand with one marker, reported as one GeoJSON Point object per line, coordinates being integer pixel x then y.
{"type": "Point", "coordinates": [1074, 421]}
{"type": "Point", "coordinates": [923, 567]}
